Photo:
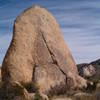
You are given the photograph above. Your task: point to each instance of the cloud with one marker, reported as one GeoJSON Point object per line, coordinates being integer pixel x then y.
{"type": "Point", "coordinates": [79, 21]}
{"type": "Point", "coordinates": [4, 43]}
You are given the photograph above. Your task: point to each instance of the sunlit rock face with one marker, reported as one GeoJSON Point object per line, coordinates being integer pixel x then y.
{"type": "Point", "coordinates": [38, 54]}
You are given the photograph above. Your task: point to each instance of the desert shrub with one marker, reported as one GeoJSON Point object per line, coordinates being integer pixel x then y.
{"type": "Point", "coordinates": [1, 83]}
{"type": "Point", "coordinates": [11, 91]}
{"type": "Point", "coordinates": [91, 87]}
{"type": "Point", "coordinates": [84, 98]}
{"type": "Point", "coordinates": [38, 96]}
{"type": "Point", "coordinates": [8, 93]}
{"type": "Point", "coordinates": [30, 87]}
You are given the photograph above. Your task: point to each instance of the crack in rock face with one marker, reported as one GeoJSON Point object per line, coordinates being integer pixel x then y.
{"type": "Point", "coordinates": [38, 54]}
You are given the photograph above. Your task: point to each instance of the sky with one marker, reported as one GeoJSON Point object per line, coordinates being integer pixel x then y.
{"type": "Point", "coordinates": [79, 21]}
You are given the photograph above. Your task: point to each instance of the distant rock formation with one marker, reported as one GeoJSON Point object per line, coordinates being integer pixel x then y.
{"type": "Point", "coordinates": [86, 70]}
{"type": "Point", "coordinates": [38, 54]}
{"type": "Point", "coordinates": [96, 63]}
{"type": "Point", "coordinates": [90, 70]}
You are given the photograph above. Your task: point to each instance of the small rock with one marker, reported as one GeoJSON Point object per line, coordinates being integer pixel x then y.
{"type": "Point", "coordinates": [32, 96]}
{"type": "Point", "coordinates": [65, 98]}
{"type": "Point", "coordinates": [81, 94]}
{"type": "Point", "coordinates": [98, 87]}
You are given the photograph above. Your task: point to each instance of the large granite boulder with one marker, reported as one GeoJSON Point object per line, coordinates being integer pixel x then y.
{"type": "Point", "coordinates": [38, 54]}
